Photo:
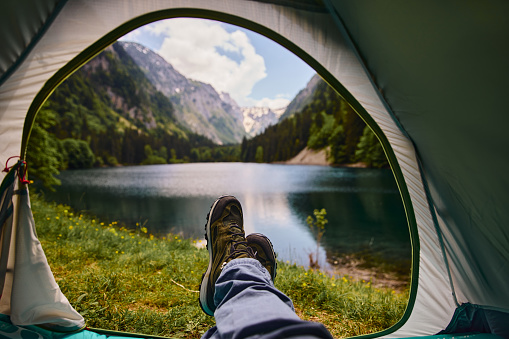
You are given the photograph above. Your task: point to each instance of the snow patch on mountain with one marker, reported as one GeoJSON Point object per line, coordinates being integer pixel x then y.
{"type": "Point", "coordinates": [257, 119]}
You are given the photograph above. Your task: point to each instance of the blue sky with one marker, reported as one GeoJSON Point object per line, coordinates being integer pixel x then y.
{"type": "Point", "coordinates": [253, 69]}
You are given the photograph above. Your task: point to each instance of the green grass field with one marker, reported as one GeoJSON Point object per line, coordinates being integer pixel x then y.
{"type": "Point", "coordinates": [128, 280]}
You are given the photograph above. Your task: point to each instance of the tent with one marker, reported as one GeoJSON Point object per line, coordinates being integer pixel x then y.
{"type": "Point", "coordinates": [428, 77]}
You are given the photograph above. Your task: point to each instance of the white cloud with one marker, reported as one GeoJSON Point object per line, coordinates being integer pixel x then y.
{"type": "Point", "coordinates": [133, 35]}
{"type": "Point", "coordinates": [203, 50]}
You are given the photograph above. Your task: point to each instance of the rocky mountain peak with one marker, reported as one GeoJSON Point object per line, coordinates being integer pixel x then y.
{"type": "Point", "coordinates": [257, 119]}
{"type": "Point", "coordinates": [198, 106]}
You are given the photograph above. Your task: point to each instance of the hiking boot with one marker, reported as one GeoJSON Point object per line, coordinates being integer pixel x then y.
{"type": "Point", "coordinates": [264, 252]}
{"type": "Point", "coordinates": [224, 232]}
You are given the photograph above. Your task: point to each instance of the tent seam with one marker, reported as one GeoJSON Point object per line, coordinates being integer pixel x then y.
{"type": "Point", "coordinates": [349, 40]}
{"type": "Point", "coordinates": [431, 205]}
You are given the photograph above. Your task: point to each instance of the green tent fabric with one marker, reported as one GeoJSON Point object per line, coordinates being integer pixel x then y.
{"type": "Point", "coordinates": [427, 77]}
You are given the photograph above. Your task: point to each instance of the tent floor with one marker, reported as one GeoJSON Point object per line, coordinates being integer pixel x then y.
{"type": "Point", "coordinates": [8, 330]}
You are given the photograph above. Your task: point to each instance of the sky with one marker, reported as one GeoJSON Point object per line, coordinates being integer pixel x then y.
{"type": "Point", "coordinates": [253, 69]}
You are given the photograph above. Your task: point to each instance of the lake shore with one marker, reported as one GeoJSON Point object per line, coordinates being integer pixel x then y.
{"type": "Point", "coordinates": [318, 158]}
{"type": "Point", "coordinates": [355, 270]}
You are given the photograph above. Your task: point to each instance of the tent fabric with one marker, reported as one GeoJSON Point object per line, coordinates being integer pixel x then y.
{"type": "Point", "coordinates": [428, 78]}
{"type": "Point", "coordinates": [19, 30]}
{"type": "Point", "coordinates": [472, 318]}
{"type": "Point", "coordinates": [30, 295]}
{"type": "Point", "coordinates": [444, 73]}
{"type": "Point", "coordinates": [317, 37]}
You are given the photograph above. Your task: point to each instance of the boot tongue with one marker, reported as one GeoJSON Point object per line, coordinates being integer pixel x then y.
{"type": "Point", "coordinates": [234, 217]}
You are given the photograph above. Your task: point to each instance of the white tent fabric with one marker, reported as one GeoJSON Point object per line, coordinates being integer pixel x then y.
{"type": "Point", "coordinates": [31, 295]}
{"type": "Point", "coordinates": [319, 40]}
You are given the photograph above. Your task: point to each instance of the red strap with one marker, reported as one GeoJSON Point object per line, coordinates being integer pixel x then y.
{"type": "Point", "coordinates": [7, 168]}
{"type": "Point", "coordinates": [22, 169]}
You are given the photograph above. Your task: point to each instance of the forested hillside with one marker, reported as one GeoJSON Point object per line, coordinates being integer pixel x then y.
{"type": "Point", "coordinates": [326, 122]}
{"type": "Point", "coordinates": [107, 113]}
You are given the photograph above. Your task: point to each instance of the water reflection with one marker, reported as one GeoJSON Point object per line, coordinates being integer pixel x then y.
{"type": "Point", "coordinates": [273, 216]}
{"type": "Point", "coordinates": [363, 206]}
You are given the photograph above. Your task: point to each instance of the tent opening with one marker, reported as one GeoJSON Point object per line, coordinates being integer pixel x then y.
{"type": "Point", "coordinates": [114, 112]}
{"type": "Point", "coordinates": [407, 69]}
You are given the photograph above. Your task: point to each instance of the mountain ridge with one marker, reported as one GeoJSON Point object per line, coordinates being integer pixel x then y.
{"type": "Point", "coordinates": [303, 98]}
{"type": "Point", "coordinates": [198, 105]}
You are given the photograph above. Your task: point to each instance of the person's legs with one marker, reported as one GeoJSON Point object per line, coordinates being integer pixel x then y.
{"type": "Point", "coordinates": [249, 306]}
{"type": "Point", "coordinates": [239, 290]}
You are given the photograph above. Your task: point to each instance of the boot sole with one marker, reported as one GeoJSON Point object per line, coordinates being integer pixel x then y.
{"type": "Point", "coordinates": [204, 282]}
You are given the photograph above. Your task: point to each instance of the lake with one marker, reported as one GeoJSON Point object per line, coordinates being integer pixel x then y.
{"type": "Point", "coordinates": [364, 208]}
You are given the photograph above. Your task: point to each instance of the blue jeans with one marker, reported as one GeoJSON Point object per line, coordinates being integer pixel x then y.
{"type": "Point", "coordinates": [249, 306]}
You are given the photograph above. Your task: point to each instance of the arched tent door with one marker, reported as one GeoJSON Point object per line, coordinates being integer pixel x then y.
{"type": "Point", "coordinates": [84, 28]}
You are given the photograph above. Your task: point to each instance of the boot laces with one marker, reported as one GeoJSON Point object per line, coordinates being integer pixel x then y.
{"type": "Point", "coordinates": [238, 239]}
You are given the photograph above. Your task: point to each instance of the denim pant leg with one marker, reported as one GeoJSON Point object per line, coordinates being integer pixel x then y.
{"type": "Point", "coordinates": [249, 306]}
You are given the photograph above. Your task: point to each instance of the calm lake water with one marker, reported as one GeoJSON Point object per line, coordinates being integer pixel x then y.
{"type": "Point", "coordinates": [363, 206]}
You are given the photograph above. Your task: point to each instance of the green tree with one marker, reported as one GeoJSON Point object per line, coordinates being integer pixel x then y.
{"type": "Point", "coordinates": [370, 151]}
{"type": "Point", "coordinates": [148, 151]}
{"type": "Point", "coordinates": [44, 154]}
{"type": "Point", "coordinates": [338, 151]}
{"type": "Point", "coordinates": [317, 227]}
{"type": "Point", "coordinates": [173, 156]}
{"type": "Point", "coordinates": [163, 152]}
{"type": "Point", "coordinates": [78, 154]}
{"type": "Point", "coordinates": [195, 155]}
{"type": "Point", "coordinates": [321, 131]}
{"type": "Point", "coordinates": [259, 154]}
{"type": "Point", "coordinates": [151, 157]}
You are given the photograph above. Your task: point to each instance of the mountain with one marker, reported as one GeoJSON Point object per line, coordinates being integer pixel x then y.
{"type": "Point", "coordinates": [257, 119]}
{"type": "Point", "coordinates": [198, 106]}
{"type": "Point", "coordinates": [120, 85]}
{"type": "Point", "coordinates": [303, 98]}
{"type": "Point", "coordinates": [108, 113]}
{"type": "Point", "coordinates": [326, 124]}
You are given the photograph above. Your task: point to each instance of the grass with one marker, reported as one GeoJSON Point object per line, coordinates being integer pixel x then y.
{"type": "Point", "coordinates": [127, 280]}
